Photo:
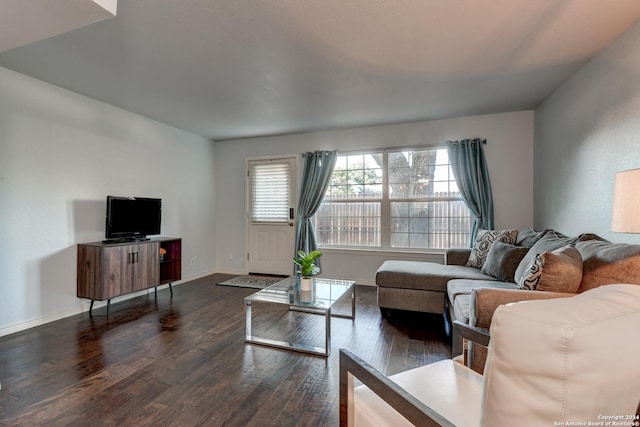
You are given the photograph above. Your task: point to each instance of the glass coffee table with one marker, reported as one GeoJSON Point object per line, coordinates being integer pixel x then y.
{"type": "Point", "coordinates": [318, 301]}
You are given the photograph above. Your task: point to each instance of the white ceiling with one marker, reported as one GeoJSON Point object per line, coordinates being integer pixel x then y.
{"type": "Point", "coordinates": [229, 69]}
{"type": "Point", "coordinates": [26, 21]}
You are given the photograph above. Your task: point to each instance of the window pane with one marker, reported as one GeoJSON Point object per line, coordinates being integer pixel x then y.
{"type": "Point", "coordinates": [400, 210]}
{"type": "Point", "coordinates": [356, 177]}
{"type": "Point", "coordinates": [269, 192]}
{"type": "Point", "coordinates": [400, 240]}
{"type": "Point", "coordinates": [400, 225]}
{"type": "Point", "coordinates": [436, 224]}
{"type": "Point", "coordinates": [420, 173]}
{"type": "Point", "coordinates": [348, 224]}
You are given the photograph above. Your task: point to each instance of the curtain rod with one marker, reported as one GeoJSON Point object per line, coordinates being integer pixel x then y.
{"type": "Point", "coordinates": [401, 147]}
{"type": "Point", "coordinates": [324, 152]}
{"type": "Point", "coordinates": [407, 147]}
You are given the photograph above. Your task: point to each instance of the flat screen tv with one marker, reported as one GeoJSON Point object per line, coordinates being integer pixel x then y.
{"type": "Point", "coordinates": [132, 218]}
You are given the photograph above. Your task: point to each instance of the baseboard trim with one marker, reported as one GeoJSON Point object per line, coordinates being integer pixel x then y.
{"type": "Point", "coordinates": [83, 306]}
{"type": "Point", "coordinates": [363, 282]}
{"type": "Point", "coordinates": [28, 324]}
{"type": "Point", "coordinates": [231, 271]}
{"type": "Point", "coordinates": [359, 282]}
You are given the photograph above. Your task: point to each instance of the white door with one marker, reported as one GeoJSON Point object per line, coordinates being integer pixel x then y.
{"type": "Point", "coordinates": [271, 215]}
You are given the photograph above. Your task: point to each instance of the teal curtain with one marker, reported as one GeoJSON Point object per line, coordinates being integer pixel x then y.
{"type": "Point", "coordinates": [472, 176]}
{"type": "Point", "coordinates": [316, 176]}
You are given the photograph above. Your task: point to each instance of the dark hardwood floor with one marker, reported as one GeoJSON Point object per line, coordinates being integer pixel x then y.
{"type": "Point", "coordinates": [183, 361]}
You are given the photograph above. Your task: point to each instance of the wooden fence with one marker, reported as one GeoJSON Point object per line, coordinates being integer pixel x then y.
{"type": "Point", "coordinates": [435, 224]}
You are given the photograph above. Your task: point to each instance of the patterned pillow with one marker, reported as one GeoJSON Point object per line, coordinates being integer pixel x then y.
{"type": "Point", "coordinates": [557, 271]}
{"type": "Point", "coordinates": [484, 240]}
{"type": "Point", "coordinates": [549, 242]}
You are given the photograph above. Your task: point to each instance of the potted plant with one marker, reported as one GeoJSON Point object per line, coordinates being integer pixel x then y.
{"type": "Point", "coordinates": [307, 268]}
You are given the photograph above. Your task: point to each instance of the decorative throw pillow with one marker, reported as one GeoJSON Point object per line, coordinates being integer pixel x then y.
{"type": "Point", "coordinates": [502, 260]}
{"type": "Point", "coordinates": [557, 271]}
{"type": "Point", "coordinates": [484, 240]}
{"type": "Point", "coordinates": [551, 241]}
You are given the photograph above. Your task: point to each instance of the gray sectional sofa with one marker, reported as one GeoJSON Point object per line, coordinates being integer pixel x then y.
{"type": "Point", "coordinates": [471, 294]}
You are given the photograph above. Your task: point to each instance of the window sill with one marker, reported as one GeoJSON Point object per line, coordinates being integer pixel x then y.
{"type": "Point", "coordinates": [381, 251]}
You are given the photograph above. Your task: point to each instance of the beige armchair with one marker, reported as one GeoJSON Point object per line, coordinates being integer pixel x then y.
{"type": "Point", "coordinates": [549, 362]}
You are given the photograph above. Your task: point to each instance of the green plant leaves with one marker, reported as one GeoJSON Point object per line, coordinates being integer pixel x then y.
{"type": "Point", "coordinates": [306, 263]}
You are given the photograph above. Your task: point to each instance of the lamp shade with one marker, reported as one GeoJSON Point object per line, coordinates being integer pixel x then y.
{"type": "Point", "coordinates": [625, 215]}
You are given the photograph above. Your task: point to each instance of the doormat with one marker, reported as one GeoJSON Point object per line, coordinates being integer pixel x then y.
{"type": "Point", "coordinates": [256, 282]}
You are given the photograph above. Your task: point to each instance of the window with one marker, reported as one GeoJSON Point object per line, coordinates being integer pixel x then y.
{"type": "Point", "coordinates": [350, 213]}
{"type": "Point", "coordinates": [393, 200]}
{"type": "Point", "coordinates": [269, 191]}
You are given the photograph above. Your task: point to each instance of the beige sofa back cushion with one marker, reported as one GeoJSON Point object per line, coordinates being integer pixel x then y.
{"type": "Point", "coordinates": [549, 242]}
{"type": "Point", "coordinates": [604, 263]}
{"type": "Point", "coordinates": [556, 271]}
{"type": "Point", "coordinates": [566, 359]}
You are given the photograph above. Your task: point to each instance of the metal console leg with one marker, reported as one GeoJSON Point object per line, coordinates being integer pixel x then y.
{"type": "Point", "coordinates": [247, 322]}
{"type": "Point", "coordinates": [327, 343]}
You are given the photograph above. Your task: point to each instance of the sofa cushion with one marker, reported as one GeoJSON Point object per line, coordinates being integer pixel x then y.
{"type": "Point", "coordinates": [606, 263]}
{"type": "Point", "coordinates": [428, 276]}
{"type": "Point", "coordinates": [590, 236]}
{"type": "Point", "coordinates": [459, 294]}
{"type": "Point", "coordinates": [556, 271]}
{"type": "Point", "coordinates": [461, 308]}
{"type": "Point", "coordinates": [551, 241]}
{"type": "Point", "coordinates": [464, 287]}
{"type": "Point", "coordinates": [502, 261]}
{"type": "Point", "coordinates": [484, 241]}
{"type": "Point", "coordinates": [528, 237]}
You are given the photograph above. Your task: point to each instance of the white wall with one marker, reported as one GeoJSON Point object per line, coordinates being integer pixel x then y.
{"type": "Point", "coordinates": [509, 153]}
{"type": "Point", "coordinates": [61, 154]}
{"type": "Point", "coordinates": [588, 130]}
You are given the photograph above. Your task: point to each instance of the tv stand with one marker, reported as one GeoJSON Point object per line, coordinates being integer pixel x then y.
{"type": "Point", "coordinates": [126, 240]}
{"type": "Point", "coordinates": [108, 270]}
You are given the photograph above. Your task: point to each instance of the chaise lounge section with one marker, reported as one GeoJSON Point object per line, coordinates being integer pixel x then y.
{"type": "Point", "coordinates": [422, 286]}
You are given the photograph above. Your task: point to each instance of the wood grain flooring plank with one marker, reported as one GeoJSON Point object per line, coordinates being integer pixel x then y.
{"type": "Point", "coordinates": [75, 398]}
{"type": "Point", "coordinates": [182, 361]}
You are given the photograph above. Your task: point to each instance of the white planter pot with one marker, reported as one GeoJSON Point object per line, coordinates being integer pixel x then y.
{"type": "Point", "coordinates": [306, 284]}
{"type": "Point", "coordinates": [306, 296]}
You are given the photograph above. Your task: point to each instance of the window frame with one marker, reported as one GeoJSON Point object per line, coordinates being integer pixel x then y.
{"type": "Point", "coordinates": [252, 165]}
{"type": "Point", "coordinates": [385, 203]}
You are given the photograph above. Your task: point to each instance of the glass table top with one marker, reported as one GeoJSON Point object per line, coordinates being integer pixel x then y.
{"type": "Point", "coordinates": [323, 295]}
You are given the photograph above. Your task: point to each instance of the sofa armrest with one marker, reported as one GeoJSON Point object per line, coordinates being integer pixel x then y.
{"type": "Point", "coordinates": [462, 331]}
{"type": "Point", "coordinates": [484, 302]}
{"type": "Point", "coordinates": [406, 404]}
{"type": "Point", "coordinates": [458, 256]}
